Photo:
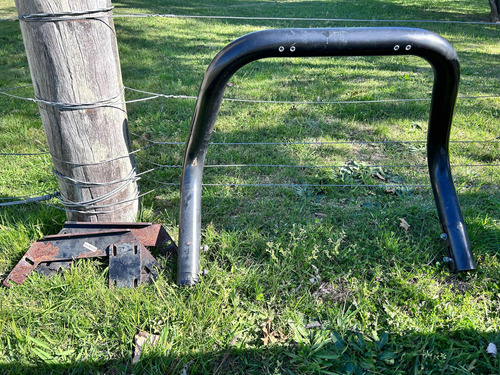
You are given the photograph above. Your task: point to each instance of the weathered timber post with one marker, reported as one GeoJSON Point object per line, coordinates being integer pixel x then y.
{"type": "Point", "coordinates": [73, 58]}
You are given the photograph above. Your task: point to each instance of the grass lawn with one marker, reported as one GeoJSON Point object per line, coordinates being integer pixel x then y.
{"type": "Point", "coordinates": [302, 280]}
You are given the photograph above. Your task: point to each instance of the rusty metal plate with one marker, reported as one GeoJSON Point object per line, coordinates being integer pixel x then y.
{"type": "Point", "coordinates": [93, 240]}
{"type": "Point", "coordinates": [148, 234]}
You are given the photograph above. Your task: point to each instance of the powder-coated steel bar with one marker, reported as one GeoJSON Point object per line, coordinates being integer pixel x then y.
{"type": "Point", "coordinates": [392, 41]}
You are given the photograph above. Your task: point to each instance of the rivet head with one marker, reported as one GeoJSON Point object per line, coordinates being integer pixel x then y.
{"type": "Point", "coordinates": [292, 49]}
{"type": "Point", "coordinates": [396, 47]}
{"type": "Point", "coordinates": [281, 49]}
{"type": "Point", "coordinates": [408, 47]}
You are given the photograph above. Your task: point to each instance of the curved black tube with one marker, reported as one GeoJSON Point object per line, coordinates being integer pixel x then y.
{"type": "Point", "coordinates": [327, 42]}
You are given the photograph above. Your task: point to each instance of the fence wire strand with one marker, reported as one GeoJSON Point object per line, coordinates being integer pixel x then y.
{"type": "Point", "coordinates": [386, 166]}
{"type": "Point", "coordinates": [74, 206]}
{"type": "Point", "coordinates": [28, 200]}
{"type": "Point", "coordinates": [319, 143]}
{"type": "Point", "coordinates": [402, 186]}
{"type": "Point", "coordinates": [155, 95]}
{"type": "Point", "coordinates": [64, 17]}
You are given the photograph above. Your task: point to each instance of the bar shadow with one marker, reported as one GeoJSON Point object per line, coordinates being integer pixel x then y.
{"type": "Point", "coordinates": [399, 354]}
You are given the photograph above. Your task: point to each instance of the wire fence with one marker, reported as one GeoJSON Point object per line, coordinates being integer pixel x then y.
{"type": "Point", "coordinates": [86, 15]}
{"type": "Point", "coordinates": [146, 174]}
{"type": "Point", "coordinates": [155, 95]}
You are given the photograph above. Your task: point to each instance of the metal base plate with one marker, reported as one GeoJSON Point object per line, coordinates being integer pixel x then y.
{"type": "Point", "coordinates": [130, 262]}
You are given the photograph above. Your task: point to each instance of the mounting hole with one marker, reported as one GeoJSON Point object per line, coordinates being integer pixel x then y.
{"type": "Point", "coordinates": [113, 250]}
{"type": "Point", "coordinates": [396, 47]}
{"type": "Point", "coordinates": [147, 269]}
{"type": "Point", "coordinates": [28, 260]}
{"type": "Point", "coordinates": [135, 249]}
{"type": "Point", "coordinates": [136, 283]}
{"type": "Point", "coordinates": [408, 47]}
{"type": "Point", "coordinates": [292, 49]}
{"type": "Point", "coordinates": [281, 49]}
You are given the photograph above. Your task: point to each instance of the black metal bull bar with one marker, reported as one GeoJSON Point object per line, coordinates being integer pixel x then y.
{"type": "Point", "coordinates": [390, 41]}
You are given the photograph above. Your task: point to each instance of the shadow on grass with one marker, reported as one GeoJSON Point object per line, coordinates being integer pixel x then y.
{"type": "Point", "coordinates": [338, 9]}
{"type": "Point", "coordinates": [331, 347]}
{"type": "Point", "coordinates": [321, 351]}
{"type": "Point", "coordinates": [443, 352]}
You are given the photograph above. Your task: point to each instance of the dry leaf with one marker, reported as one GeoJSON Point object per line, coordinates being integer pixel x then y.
{"type": "Point", "coordinates": [316, 269]}
{"type": "Point", "coordinates": [492, 349]}
{"type": "Point", "coordinates": [316, 278]}
{"type": "Point", "coordinates": [319, 215]}
{"type": "Point", "coordinates": [336, 291]}
{"type": "Point", "coordinates": [230, 84]}
{"type": "Point", "coordinates": [271, 336]}
{"type": "Point", "coordinates": [141, 339]}
{"type": "Point", "coordinates": [404, 224]}
{"type": "Point", "coordinates": [390, 191]}
{"type": "Point", "coordinates": [380, 177]}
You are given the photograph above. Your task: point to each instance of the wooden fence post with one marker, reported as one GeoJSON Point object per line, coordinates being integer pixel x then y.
{"type": "Point", "coordinates": [73, 58]}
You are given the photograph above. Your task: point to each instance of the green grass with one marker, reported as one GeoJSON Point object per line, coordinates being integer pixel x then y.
{"type": "Point", "coordinates": [382, 301]}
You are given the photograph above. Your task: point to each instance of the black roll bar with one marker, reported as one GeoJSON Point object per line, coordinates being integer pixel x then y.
{"type": "Point", "coordinates": [327, 42]}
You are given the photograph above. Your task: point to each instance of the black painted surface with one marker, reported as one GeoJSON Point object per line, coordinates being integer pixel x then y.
{"type": "Point", "coordinates": [327, 42]}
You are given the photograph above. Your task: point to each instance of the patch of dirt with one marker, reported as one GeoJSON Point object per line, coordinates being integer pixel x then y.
{"type": "Point", "coordinates": [335, 291]}
{"type": "Point", "coordinates": [458, 285]}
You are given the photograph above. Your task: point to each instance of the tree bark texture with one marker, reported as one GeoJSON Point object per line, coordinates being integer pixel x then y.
{"type": "Point", "coordinates": [76, 61]}
{"type": "Point", "coordinates": [495, 9]}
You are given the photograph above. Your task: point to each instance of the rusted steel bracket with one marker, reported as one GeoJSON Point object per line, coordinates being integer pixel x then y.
{"type": "Point", "coordinates": [148, 234]}
{"type": "Point", "coordinates": [130, 263]}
